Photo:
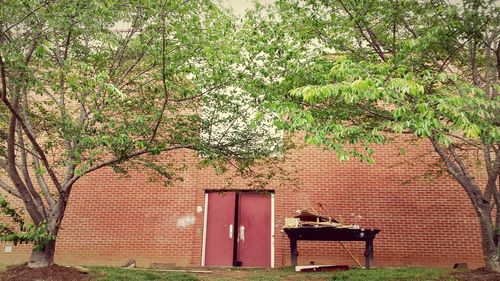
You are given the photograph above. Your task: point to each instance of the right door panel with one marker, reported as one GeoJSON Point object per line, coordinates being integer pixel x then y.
{"type": "Point", "coordinates": [254, 229]}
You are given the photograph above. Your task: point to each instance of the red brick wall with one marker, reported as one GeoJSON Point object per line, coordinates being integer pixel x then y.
{"type": "Point", "coordinates": [423, 221]}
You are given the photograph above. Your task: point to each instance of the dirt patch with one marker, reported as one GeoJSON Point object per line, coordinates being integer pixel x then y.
{"type": "Point", "coordinates": [480, 274]}
{"type": "Point", "coordinates": [49, 273]}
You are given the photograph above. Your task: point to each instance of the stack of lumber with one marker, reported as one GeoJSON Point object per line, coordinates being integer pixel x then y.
{"type": "Point", "coordinates": [304, 218]}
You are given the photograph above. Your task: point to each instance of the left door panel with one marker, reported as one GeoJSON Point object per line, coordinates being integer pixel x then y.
{"type": "Point", "coordinates": [220, 229]}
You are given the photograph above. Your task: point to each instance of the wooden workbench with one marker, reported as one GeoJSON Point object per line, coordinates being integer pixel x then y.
{"type": "Point", "coordinates": [332, 234]}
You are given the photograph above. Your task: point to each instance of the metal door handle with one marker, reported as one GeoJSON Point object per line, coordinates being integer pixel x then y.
{"type": "Point", "coordinates": [241, 233]}
{"type": "Point", "coordinates": [230, 231]}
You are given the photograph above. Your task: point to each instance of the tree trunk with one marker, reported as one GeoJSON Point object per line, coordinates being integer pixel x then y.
{"type": "Point", "coordinates": [43, 257]}
{"type": "Point", "coordinates": [491, 249]}
{"type": "Point", "coordinates": [493, 260]}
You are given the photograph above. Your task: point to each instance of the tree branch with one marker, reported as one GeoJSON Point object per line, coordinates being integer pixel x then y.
{"type": "Point", "coordinates": [115, 161]}
{"type": "Point", "coordinates": [14, 174]}
{"type": "Point", "coordinates": [455, 51]}
{"type": "Point", "coordinates": [11, 190]}
{"type": "Point", "coordinates": [25, 17]}
{"type": "Point", "coordinates": [460, 163]}
{"type": "Point", "coordinates": [163, 78]}
{"type": "Point", "coordinates": [43, 184]}
{"type": "Point", "coordinates": [493, 171]}
{"type": "Point", "coordinates": [35, 158]}
{"type": "Point", "coordinates": [26, 175]}
{"type": "Point", "coordinates": [374, 44]}
{"type": "Point", "coordinates": [471, 189]}
{"type": "Point", "coordinates": [31, 138]}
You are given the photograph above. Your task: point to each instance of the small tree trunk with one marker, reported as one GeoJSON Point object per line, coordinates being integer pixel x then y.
{"type": "Point", "coordinates": [43, 257]}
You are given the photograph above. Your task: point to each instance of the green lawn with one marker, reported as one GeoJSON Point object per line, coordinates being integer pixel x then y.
{"type": "Point", "coordinates": [399, 274]}
{"type": "Point", "coordinates": [119, 274]}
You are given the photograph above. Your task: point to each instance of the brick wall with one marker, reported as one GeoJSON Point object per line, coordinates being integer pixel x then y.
{"type": "Point", "coordinates": [423, 220]}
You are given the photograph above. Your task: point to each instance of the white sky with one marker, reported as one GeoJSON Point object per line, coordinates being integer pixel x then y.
{"type": "Point", "coordinates": [240, 6]}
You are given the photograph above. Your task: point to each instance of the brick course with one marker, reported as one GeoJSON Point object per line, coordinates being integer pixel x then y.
{"type": "Point", "coordinates": [424, 221]}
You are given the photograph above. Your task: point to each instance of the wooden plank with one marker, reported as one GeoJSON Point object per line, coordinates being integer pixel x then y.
{"type": "Point", "coordinates": [318, 268]}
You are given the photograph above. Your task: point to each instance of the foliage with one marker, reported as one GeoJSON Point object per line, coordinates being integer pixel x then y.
{"type": "Point", "coordinates": [351, 74]}
{"type": "Point", "coordinates": [86, 85]}
{"type": "Point", "coordinates": [13, 214]}
{"type": "Point", "coordinates": [344, 91]}
{"type": "Point", "coordinates": [21, 232]}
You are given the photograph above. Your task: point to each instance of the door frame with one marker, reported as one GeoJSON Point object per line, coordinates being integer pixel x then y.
{"type": "Point", "coordinates": [205, 214]}
{"type": "Point", "coordinates": [204, 245]}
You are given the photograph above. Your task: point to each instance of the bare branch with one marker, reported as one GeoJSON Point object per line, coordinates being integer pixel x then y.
{"type": "Point", "coordinates": [374, 43]}
{"type": "Point", "coordinates": [12, 169]}
{"type": "Point", "coordinates": [11, 190]}
{"type": "Point", "coordinates": [493, 172]}
{"type": "Point", "coordinates": [454, 52]}
{"type": "Point", "coordinates": [122, 47]}
{"type": "Point", "coordinates": [25, 17]}
{"type": "Point", "coordinates": [26, 130]}
{"type": "Point", "coordinates": [26, 175]}
{"type": "Point", "coordinates": [163, 77]}
{"type": "Point", "coordinates": [410, 29]}
{"type": "Point", "coordinates": [116, 160]}
{"type": "Point", "coordinates": [460, 163]}
{"type": "Point", "coordinates": [35, 158]}
{"type": "Point", "coordinates": [43, 184]}
{"type": "Point", "coordinates": [134, 65]}
{"type": "Point", "coordinates": [470, 188]}
{"type": "Point", "coordinates": [137, 76]}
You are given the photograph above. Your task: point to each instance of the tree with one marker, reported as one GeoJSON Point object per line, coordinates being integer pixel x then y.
{"type": "Point", "coordinates": [352, 73]}
{"type": "Point", "coordinates": [91, 84]}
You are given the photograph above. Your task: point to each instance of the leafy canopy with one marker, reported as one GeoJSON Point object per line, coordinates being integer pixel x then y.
{"type": "Point", "coordinates": [351, 72]}
{"type": "Point", "coordinates": [91, 84]}
{"type": "Point", "coordinates": [103, 80]}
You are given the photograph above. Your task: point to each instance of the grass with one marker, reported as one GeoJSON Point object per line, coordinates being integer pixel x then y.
{"type": "Point", "coordinates": [396, 274]}
{"type": "Point", "coordinates": [119, 274]}
{"type": "Point", "coordinates": [265, 275]}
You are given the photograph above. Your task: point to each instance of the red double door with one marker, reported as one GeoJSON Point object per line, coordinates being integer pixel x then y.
{"type": "Point", "coordinates": [238, 229]}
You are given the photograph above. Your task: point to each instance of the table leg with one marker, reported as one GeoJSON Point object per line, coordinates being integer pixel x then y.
{"type": "Point", "coordinates": [293, 251]}
{"type": "Point", "coordinates": [369, 253]}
